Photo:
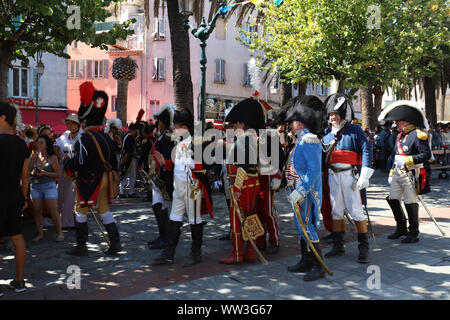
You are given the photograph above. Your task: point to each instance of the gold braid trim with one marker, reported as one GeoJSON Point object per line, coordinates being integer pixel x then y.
{"type": "Point", "coordinates": [241, 176]}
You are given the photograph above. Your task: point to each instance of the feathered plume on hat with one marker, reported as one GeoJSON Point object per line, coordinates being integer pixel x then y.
{"type": "Point", "coordinates": [405, 110]}
{"type": "Point", "coordinates": [166, 114]}
{"type": "Point", "coordinates": [255, 83]}
{"type": "Point", "coordinates": [113, 122]}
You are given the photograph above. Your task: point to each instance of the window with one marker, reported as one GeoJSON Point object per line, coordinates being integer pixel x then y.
{"type": "Point", "coordinates": [159, 32]}
{"type": "Point", "coordinates": [219, 72]}
{"type": "Point", "coordinates": [275, 83]}
{"type": "Point", "coordinates": [74, 44]}
{"type": "Point", "coordinates": [247, 76]}
{"type": "Point", "coordinates": [248, 35]}
{"type": "Point", "coordinates": [159, 69]}
{"type": "Point", "coordinates": [76, 69]}
{"type": "Point", "coordinates": [20, 82]}
{"type": "Point", "coordinates": [154, 107]}
{"type": "Point", "coordinates": [97, 69]}
{"type": "Point", "coordinates": [321, 90]}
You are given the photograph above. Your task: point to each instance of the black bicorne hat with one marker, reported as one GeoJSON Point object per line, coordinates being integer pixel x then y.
{"type": "Point", "coordinates": [183, 117]}
{"type": "Point", "coordinates": [341, 104]}
{"type": "Point", "coordinates": [248, 111]}
{"type": "Point", "coordinates": [93, 105]}
{"type": "Point", "coordinates": [310, 111]}
{"type": "Point", "coordinates": [404, 110]}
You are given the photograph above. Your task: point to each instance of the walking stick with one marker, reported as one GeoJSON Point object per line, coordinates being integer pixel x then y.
{"type": "Point", "coordinates": [99, 226]}
{"type": "Point", "coordinates": [302, 226]}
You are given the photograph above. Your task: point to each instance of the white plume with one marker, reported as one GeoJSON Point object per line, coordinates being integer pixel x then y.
{"type": "Point", "coordinates": [113, 121]}
{"type": "Point", "coordinates": [253, 70]}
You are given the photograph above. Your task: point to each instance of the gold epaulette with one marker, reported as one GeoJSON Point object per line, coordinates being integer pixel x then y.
{"type": "Point", "coordinates": [422, 135]}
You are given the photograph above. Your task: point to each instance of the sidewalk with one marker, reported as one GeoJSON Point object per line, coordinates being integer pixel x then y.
{"type": "Point", "coordinates": [404, 271]}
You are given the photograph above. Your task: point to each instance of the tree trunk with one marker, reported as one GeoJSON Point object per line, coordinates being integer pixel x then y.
{"type": "Point", "coordinates": [302, 88]}
{"type": "Point", "coordinates": [444, 82]}
{"type": "Point", "coordinates": [366, 107]}
{"type": "Point", "coordinates": [378, 93]}
{"type": "Point", "coordinates": [430, 100]}
{"type": "Point", "coordinates": [179, 40]}
{"type": "Point", "coordinates": [285, 92]}
{"type": "Point", "coordinates": [5, 62]}
{"type": "Point", "coordinates": [121, 102]}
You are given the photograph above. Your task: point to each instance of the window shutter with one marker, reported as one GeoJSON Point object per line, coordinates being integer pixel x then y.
{"type": "Point", "coordinates": [89, 74]}
{"type": "Point", "coordinates": [9, 84]}
{"type": "Point", "coordinates": [246, 75]}
{"type": "Point", "coordinates": [81, 69]}
{"type": "Point", "coordinates": [222, 70]}
{"type": "Point", "coordinates": [217, 71]}
{"type": "Point", "coordinates": [162, 68]}
{"type": "Point", "coordinates": [33, 83]}
{"type": "Point", "coordinates": [162, 29]}
{"type": "Point", "coordinates": [155, 69]}
{"type": "Point", "coordinates": [105, 68]}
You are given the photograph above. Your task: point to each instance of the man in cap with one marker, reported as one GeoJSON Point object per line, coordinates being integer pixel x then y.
{"type": "Point", "coordinates": [162, 176]}
{"type": "Point", "coordinates": [348, 170]}
{"type": "Point", "coordinates": [306, 116]}
{"type": "Point", "coordinates": [191, 194]}
{"type": "Point", "coordinates": [411, 152]}
{"type": "Point", "coordinates": [88, 168]}
{"type": "Point", "coordinates": [242, 168]}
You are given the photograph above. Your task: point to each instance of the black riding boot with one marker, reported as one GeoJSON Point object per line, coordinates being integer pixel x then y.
{"type": "Point", "coordinates": [306, 262]}
{"type": "Point", "coordinates": [317, 271]}
{"type": "Point", "coordinates": [195, 256]}
{"type": "Point", "coordinates": [338, 245]}
{"type": "Point", "coordinates": [162, 219]}
{"type": "Point", "coordinates": [81, 231]}
{"type": "Point", "coordinates": [363, 247]}
{"type": "Point", "coordinates": [400, 218]}
{"type": "Point", "coordinates": [114, 239]}
{"type": "Point", "coordinates": [413, 217]}
{"type": "Point", "coordinates": [168, 253]}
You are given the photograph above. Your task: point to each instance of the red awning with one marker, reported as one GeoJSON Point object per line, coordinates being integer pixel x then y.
{"type": "Point", "coordinates": [53, 118]}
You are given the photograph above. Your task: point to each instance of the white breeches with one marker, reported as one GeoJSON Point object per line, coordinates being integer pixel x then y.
{"type": "Point", "coordinates": [402, 186]}
{"type": "Point", "coordinates": [342, 196]}
{"type": "Point", "coordinates": [157, 197]}
{"type": "Point", "coordinates": [182, 203]}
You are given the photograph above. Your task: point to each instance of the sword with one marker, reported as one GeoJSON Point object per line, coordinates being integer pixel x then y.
{"type": "Point", "coordinates": [244, 227]}
{"type": "Point", "coordinates": [302, 226]}
{"type": "Point", "coordinates": [412, 180]}
{"type": "Point", "coordinates": [99, 226]}
{"type": "Point", "coordinates": [370, 226]}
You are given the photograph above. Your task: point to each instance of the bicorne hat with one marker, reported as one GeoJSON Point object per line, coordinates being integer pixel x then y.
{"type": "Point", "coordinates": [407, 111]}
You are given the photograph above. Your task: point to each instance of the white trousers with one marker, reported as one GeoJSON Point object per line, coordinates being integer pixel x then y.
{"type": "Point", "coordinates": [157, 197]}
{"type": "Point", "coordinates": [182, 203]}
{"type": "Point", "coordinates": [342, 196]}
{"type": "Point", "coordinates": [402, 186]}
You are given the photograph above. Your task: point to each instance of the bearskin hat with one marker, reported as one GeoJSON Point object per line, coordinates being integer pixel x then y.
{"type": "Point", "coordinates": [249, 111]}
{"type": "Point", "coordinates": [341, 104]}
{"type": "Point", "coordinates": [309, 110]}
{"type": "Point", "coordinates": [93, 105]}
{"type": "Point", "coordinates": [407, 111]}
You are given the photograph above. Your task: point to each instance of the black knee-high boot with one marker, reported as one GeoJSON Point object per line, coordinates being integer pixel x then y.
{"type": "Point", "coordinates": [162, 219]}
{"type": "Point", "coordinates": [306, 262]}
{"type": "Point", "coordinates": [317, 271]}
{"type": "Point", "coordinates": [81, 231]}
{"type": "Point", "coordinates": [400, 218]}
{"type": "Point", "coordinates": [413, 217]}
{"type": "Point", "coordinates": [168, 253]}
{"type": "Point", "coordinates": [114, 239]}
{"type": "Point", "coordinates": [195, 257]}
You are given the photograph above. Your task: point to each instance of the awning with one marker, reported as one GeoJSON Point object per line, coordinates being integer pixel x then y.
{"type": "Point", "coordinates": [52, 117]}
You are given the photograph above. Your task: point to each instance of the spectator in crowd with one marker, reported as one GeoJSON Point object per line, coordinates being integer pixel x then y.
{"type": "Point", "coordinates": [436, 138]}
{"type": "Point", "coordinates": [44, 170]}
{"type": "Point", "coordinates": [382, 151]}
{"type": "Point", "coordinates": [66, 190]}
{"type": "Point", "coordinates": [390, 146]}
{"type": "Point", "coordinates": [13, 189]}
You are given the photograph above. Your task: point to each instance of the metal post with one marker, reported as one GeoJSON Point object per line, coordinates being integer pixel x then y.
{"type": "Point", "coordinates": [37, 98]}
{"type": "Point", "coordinates": [203, 62]}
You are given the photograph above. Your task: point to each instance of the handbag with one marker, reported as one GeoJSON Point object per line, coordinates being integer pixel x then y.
{"type": "Point", "coordinates": [113, 176]}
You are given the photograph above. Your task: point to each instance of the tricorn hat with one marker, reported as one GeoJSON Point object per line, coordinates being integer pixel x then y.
{"type": "Point", "coordinates": [309, 110]}
{"type": "Point", "coordinates": [341, 104]}
{"type": "Point", "coordinates": [248, 111]}
{"type": "Point", "coordinates": [407, 111]}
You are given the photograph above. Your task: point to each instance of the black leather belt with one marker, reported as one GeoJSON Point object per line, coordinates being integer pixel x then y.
{"type": "Point", "coordinates": [336, 169]}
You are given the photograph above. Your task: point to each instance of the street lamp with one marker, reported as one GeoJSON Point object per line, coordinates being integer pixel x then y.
{"type": "Point", "coordinates": [186, 8]}
{"type": "Point", "coordinates": [40, 71]}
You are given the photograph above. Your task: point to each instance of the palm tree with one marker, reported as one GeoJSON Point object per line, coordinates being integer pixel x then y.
{"type": "Point", "coordinates": [123, 70]}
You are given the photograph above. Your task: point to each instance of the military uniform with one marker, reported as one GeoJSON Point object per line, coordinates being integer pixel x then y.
{"type": "Point", "coordinates": [408, 175]}
{"type": "Point", "coordinates": [87, 168]}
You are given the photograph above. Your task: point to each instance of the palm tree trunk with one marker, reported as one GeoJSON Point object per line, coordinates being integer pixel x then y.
{"type": "Point", "coordinates": [285, 92]}
{"type": "Point", "coordinates": [5, 61]}
{"type": "Point", "coordinates": [430, 100]}
{"type": "Point", "coordinates": [378, 93]}
{"type": "Point", "coordinates": [179, 39]}
{"type": "Point", "coordinates": [366, 107]}
{"type": "Point", "coordinates": [122, 98]}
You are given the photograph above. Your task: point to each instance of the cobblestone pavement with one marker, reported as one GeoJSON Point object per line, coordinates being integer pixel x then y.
{"type": "Point", "coordinates": [395, 271]}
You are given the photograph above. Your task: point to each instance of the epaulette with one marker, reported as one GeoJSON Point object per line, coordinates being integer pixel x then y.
{"type": "Point", "coordinates": [422, 135]}
{"type": "Point", "coordinates": [310, 138]}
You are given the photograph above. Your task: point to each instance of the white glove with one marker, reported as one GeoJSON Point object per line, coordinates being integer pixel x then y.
{"type": "Point", "coordinates": [275, 183]}
{"type": "Point", "coordinates": [295, 196]}
{"type": "Point", "coordinates": [390, 180]}
{"type": "Point", "coordinates": [363, 181]}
